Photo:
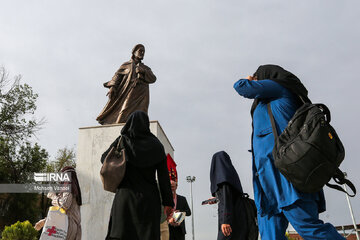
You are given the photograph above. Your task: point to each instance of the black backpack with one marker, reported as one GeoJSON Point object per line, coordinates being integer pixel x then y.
{"type": "Point", "coordinates": [309, 152]}
{"type": "Point", "coordinates": [251, 217]}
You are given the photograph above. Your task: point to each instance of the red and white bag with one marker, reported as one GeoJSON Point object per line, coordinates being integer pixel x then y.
{"type": "Point", "coordinates": [56, 224]}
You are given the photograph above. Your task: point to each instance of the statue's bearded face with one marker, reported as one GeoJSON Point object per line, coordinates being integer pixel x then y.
{"type": "Point", "coordinates": [139, 53]}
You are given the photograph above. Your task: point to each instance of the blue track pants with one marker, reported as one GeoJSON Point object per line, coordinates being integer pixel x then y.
{"type": "Point", "coordinates": [304, 217]}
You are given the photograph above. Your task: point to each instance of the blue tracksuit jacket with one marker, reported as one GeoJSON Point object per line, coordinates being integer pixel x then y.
{"type": "Point", "coordinates": [271, 189]}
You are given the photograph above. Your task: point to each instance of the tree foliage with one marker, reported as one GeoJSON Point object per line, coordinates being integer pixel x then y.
{"type": "Point", "coordinates": [19, 156]}
{"type": "Point", "coordinates": [17, 162]}
{"type": "Point", "coordinates": [65, 157]}
{"type": "Point", "coordinates": [20, 231]}
{"type": "Point", "coordinates": [17, 107]}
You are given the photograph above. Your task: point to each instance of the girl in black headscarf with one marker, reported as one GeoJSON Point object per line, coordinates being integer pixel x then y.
{"type": "Point", "coordinates": [71, 202]}
{"type": "Point", "coordinates": [136, 209]}
{"type": "Point", "coordinates": [226, 186]}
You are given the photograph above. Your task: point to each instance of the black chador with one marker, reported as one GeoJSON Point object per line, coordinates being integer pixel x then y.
{"type": "Point", "coordinates": [226, 186]}
{"type": "Point", "coordinates": [135, 213]}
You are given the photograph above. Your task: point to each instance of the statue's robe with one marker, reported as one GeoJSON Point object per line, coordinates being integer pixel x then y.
{"type": "Point", "coordinates": [131, 93]}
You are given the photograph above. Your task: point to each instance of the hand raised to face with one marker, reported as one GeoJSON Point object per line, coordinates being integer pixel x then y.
{"type": "Point", "coordinates": [251, 78]}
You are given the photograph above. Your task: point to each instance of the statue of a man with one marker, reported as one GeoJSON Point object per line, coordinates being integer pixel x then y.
{"type": "Point", "coordinates": [128, 89]}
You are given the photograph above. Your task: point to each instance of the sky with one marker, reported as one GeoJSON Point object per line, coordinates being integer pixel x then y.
{"type": "Point", "coordinates": [67, 49]}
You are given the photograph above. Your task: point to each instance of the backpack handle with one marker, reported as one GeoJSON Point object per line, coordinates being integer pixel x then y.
{"type": "Point", "coordinates": [325, 110]}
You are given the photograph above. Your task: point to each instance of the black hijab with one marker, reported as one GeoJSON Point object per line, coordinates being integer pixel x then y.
{"type": "Point", "coordinates": [284, 78]}
{"type": "Point", "coordinates": [75, 187]}
{"type": "Point", "coordinates": [142, 147]}
{"type": "Point", "coordinates": [221, 171]}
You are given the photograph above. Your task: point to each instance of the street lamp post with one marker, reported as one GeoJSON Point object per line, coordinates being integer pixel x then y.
{"type": "Point", "coordinates": [191, 179]}
{"type": "Point", "coordinates": [351, 211]}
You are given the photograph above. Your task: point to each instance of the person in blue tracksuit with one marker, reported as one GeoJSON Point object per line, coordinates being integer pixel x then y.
{"type": "Point", "coordinates": [277, 201]}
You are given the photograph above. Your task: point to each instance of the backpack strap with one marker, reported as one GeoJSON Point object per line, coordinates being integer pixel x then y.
{"type": "Point", "coordinates": [120, 145]}
{"type": "Point", "coordinates": [339, 178]}
{"type": "Point", "coordinates": [272, 120]}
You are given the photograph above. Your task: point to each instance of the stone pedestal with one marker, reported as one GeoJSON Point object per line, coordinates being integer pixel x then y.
{"type": "Point", "coordinates": [93, 141]}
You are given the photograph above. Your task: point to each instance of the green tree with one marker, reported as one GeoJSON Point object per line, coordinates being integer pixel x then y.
{"type": "Point", "coordinates": [20, 231]}
{"type": "Point", "coordinates": [65, 157]}
{"type": "Point", "coordinates": [19, 156]}
{"type": "Point", "coordinates": [17, 107]}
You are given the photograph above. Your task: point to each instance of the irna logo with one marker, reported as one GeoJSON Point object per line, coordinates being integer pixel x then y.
{"type": "Point", "coordinates": [52, 177]}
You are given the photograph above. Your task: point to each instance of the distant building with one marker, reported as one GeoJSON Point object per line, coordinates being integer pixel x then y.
{"type": "Point", "coordinates": [348, 231]}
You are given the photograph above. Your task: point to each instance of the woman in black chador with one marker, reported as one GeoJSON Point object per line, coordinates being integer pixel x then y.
{"type": "Point", "coordinates": [135, 213]}
{"type": "Point", "coordinates": [226, 186]}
